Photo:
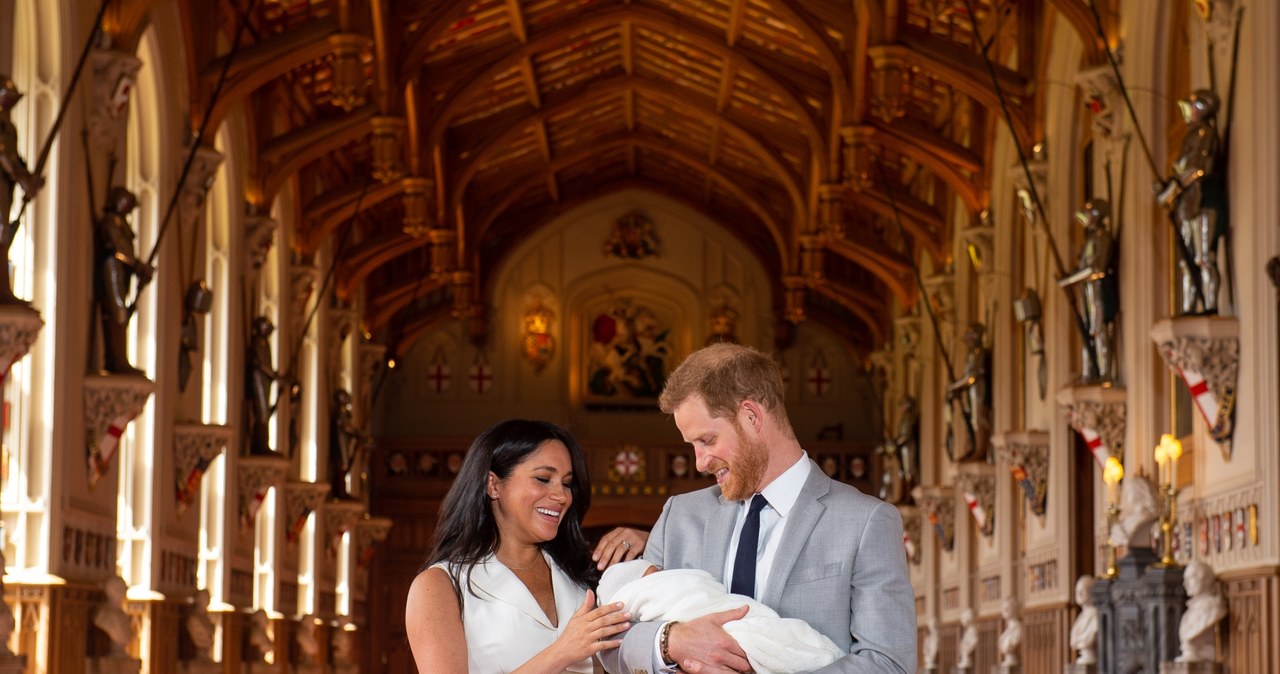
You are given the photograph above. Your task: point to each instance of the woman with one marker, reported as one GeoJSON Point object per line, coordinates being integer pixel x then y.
{"type": "Point", "coordinates": [506, 586]}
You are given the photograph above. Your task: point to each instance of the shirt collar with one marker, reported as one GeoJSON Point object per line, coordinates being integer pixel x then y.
{"type": "Point", "coordinates": [783, 492]}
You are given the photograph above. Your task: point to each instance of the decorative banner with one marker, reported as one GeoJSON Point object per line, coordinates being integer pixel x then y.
{"type": "Point", "coordinates": [296, 526]}
{"type": "Point", "coordinates": [818, 379]}
{"type": "Point", "coordinates": [102, 452]}
{"type": "Point", "coordinates": [481, 375]}
{"type": "Point", "coordinates": [1036, 493]}
{"type": "Point", "coordinates": [975, 508]}
{"type": "Point", "coordinates": [252, 506]}
{"type": "Point", "coordinates": [628, 465]}
{"type": "Point", "coordinates": [1218, 414]}
{"type": "Point", "coordinates": [439, 375]}
{"type": "Point", "coordinates": [188, 488]}
{"type": "Point", "coordinates": [1096, 446]}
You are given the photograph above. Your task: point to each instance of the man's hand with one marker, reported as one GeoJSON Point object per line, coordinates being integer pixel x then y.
{"type": "Point", "coordinates": [701, 646]}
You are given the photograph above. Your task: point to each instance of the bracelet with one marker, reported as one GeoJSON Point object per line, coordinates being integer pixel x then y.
{"type": "Point", "coordinates": [664, 643]}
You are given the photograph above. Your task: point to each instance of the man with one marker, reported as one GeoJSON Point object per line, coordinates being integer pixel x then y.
{"type": "Point", "coordinates": [825, 553]}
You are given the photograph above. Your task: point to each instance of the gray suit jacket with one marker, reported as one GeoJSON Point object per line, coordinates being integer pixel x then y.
{"type": "Point", "coordinates": [840, 567]}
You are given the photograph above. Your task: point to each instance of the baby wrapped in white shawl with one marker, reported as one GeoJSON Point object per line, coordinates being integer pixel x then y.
{"type": "Point", "coordinates": [773, 644]}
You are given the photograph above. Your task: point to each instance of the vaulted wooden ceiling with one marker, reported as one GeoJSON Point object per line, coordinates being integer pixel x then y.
{"type": "Point", "coordinates": [426, 138]}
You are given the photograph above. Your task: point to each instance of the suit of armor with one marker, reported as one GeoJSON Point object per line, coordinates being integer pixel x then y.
{"type": "Point", "coordinates": [1099, 292]}
{"type": "Point", "coordinates": [13, 172]}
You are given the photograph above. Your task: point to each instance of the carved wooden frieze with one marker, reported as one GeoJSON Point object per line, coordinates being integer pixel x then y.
{"type": "Point", "coordinates": [1204, 351]}
{"type": "Point", "coordinates": [111, 401]}
{"type": "Point", "coordinates": [114, 75]}
{"type": "Point", "coordinates": [939, 507]}
{"type": "Point", "coordinates": [1098, 414]}
{"type": "Point", "coordinates": [1027, 455]}
{"type": "Point", "coordinates": [300, 500]}
{"type": "Point", "coordinates": [349, 82]}
{"type": "Point", "coordinates": [19, 327]}
{"type": "Point", "coordinates": [256, 475]}
{"type": "Point", "coordinates": [195, 446]}
{"type": "Point", "coordinates": [977, 484]}
{"type": "Point", "coordinates": [388, 148]}
{"type": "Point", "coordinates": [204, 166]}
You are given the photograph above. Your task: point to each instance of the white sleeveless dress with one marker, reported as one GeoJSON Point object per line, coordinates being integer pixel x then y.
{"type": "Point", "coordinates": [503, 623]}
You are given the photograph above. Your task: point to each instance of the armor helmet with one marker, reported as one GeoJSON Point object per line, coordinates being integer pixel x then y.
{"type": "Point", "coordinates": [1202, 104]}
{"type": "Point", "coordinates": [9, 94]}
{"type": "Point", "coordinates": [1095, 212]}
{"type": "Point", "coordinates": [121, 200]}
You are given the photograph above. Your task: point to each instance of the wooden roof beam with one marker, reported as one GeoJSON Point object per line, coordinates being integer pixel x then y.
{"type": "Point", "coordinates": [628, 48]}
{"type": "Point", "coordinates": [517, 21]}
{"type": "Point", "coordinates": [733, 31]}
{"type": "Point", "coordinates": [530, 79]}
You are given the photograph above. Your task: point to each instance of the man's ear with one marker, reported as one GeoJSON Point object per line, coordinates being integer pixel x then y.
{"type": "Point", "coordinates": [491, 486]}
{"type": "Point", "coordinates": [752, 413]}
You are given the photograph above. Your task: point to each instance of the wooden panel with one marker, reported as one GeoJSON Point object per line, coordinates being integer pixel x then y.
{"type": "Point", "coordinates": [986, 656]}
{"type": "Point", "coordinates": [1045, 642]}
{"type": "Point", "coordinates": [1248, 639]}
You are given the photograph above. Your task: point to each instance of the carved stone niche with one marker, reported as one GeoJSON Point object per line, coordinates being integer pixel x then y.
{"type": "Point", "coordinates": [255, 476]}
{"type": "Point", "coordinates": [114, 74]}
{"type": "Point", "coordinates": [204, 166]}
{"type": "Point", "coordinates": [300, 500]}
{"type": "Point", "coordinates": [195, 447]}
{"type": "Point", "coordinates": [339, 517]}
{"type": "Point", "coordinates": [111, 401]}
{"type": "Point", "coordinates": [1026, 453]}
{"type": "Point", "coordinates": [1097, 413]}
{"type": "Point", "coordinates": [1204, 351]}
{"type": "Point", "coordinates": [976, 483]}
{"type": "Point", "coordinates": [19, 327]}
{"type": "Point", "coordinates": [938, 504]}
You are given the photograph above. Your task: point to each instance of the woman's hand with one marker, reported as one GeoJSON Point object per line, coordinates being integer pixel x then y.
{"type": "Point", "coordinates": [620, 545]}
{"type": "Point", "coordinates": [590, 630]}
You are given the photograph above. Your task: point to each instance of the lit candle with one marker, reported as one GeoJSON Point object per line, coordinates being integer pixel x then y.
{"type": "Point", "coordinates": [1112, 473]}
{"type": "Point", "coordinates": [1172, 451]}
{"type": "Point", "coordinates": [1162, 460]}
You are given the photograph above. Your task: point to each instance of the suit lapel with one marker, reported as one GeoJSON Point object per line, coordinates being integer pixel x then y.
{"type": "Point", "coordinates": [800, 522]}
{"type": "Point", "coordinates": [715, 537]}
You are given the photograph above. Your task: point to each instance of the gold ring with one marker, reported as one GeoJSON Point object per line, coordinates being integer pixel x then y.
{"type": "Point", "coordinates": [626, 544]}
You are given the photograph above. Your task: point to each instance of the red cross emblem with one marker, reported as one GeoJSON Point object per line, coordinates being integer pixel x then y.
{"type": "Point", "coordinates": [819, 380]}
{"type": "Point", "coordinates": [481, 377]}
{"type": "Point", "coordinates": [440, 377]}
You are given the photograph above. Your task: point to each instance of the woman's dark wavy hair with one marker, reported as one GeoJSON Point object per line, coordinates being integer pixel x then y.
{"type": "Point", "coordinates": [467, 531]}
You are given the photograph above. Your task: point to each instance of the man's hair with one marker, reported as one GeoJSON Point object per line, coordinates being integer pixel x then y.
{"type": "Point", "coordinates": [724, 375]}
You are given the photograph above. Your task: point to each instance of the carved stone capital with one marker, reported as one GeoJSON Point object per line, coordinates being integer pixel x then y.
{"type": "Point", "coordinates": [976, 482]}
{"type": "Point", "coordinates": [1204, 351]}
{"type": "Point", "coordinates": [1027, 455]}
{"type": "Point", "coordinates": [388, 147]}
{"type": "Point", "coordinates": [194, 447]}
{"type": "Point", "coordinates": [300, 500]}
{"type": "Point", "coordinates": [254, 476]}
{"type": "Point", "coordinates": [19, 327]}
{"type": "Point", "coordinates": [304, 283]}
{"type": "Point", "coordinates": [348, 69]}
{"type": "Point", "coordinates": [940, 289]}
{"type": "Point", "coordinates": [939, 507]}
{"type": "Point", "coordinates": [339, 517]}
{"type": "Point", "coordinates": [259, 237]}
{"type": "Point", "coordinates": [114, 74]}
{"type": "Point", "coordinates": [1105, 101]}
{"type": "Point", "coordinates": [890, 83]}
{"type": "Point", "coordinates": [111, 401]}
{"type": "Point", "coordinates": [1097, 413]}
{"type": "Point", "coordinates": [196, 187]}
{"type": "Point", "coordinates": [416, 198]}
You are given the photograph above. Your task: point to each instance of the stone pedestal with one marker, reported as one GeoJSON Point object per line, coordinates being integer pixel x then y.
{"type": "Point", "coordinates": [1138, 614]}
{"type": "Point", "coordinates": [112, 664]}
{"type": "Point", "coordinates": [19, 327]}
{"type": "Point", "coordinates": [1190, 668]}
{"type": "Point", "coordinates": [1204, 351]}
{"type": "Point", "coordinates": [1077, 668]}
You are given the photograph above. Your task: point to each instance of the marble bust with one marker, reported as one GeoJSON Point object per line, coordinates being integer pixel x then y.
{"type": "Point", "coordinates": [1084, 631]}
{"type": "Point", "coordinates": [1205, 608]}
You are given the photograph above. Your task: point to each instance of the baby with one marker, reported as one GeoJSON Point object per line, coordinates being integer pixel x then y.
{"type": "Point", "coordinates": [773, 644]}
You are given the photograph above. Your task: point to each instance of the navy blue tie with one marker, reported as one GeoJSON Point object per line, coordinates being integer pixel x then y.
{"type": "Point", "coordinates": [744, 562]}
